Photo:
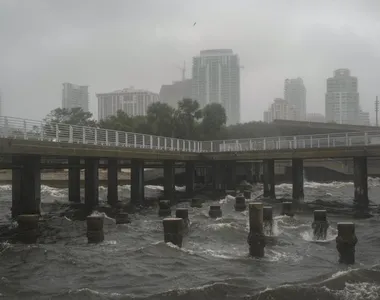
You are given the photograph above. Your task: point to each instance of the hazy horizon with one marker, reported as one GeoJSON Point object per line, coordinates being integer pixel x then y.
{"type": "Point", "coordinates": [117, 44]}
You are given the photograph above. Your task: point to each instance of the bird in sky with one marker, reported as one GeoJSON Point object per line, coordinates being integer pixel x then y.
{"type": "Point", "coordinates": [194, 24]}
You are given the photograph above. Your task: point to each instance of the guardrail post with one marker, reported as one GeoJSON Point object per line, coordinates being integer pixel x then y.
{"type": "Point", "coordinates": [304, 143]}
{"type": "Point", "coordinates": [96, 136]}
{"type": "Point", "coordinates": [250, 144]}
{"type": "Point", "coordinates": [178, 145]}
{"type": "Point", "coordinates": [365, 138]}
{"type": "Point", "coordinates": [311, 141]}
{"type": "Point", "coordinates": [6, 127]}
{"type": "Point", "coordinates": [189, 145]}
{"type": "Point", "coordinates": [264, 144]}
{"type": "Point", "coordinates": [172, 144]}
{"type": "Point", "coordinates": [126, 139]}
{"type": "Point", "coordinates": [143, 140]}
{"type": "Point", "coordinates": [25, 132]}
{"type": "Point", "coordinates": [224, 146]}
{"type": "Point", "coordinates": [347, 143]}
{"type": "Point", "coordinates": [328, 141]}
{"type": "Point", "coordinates": [56, 133]}
{"type": "Point", "coordinates": [117, 138]}
{"type": "Point", "coordinates": [279, 143]}
{"type": "Point", "coordinates": [212, 147]}
{"type": "Point", "coordinates": [318, 143]}
{"type": "Point", "coordinates": [158, 142]}
{"type": "Point", "coordinates": [70, 134]}
{"type": "Point", "coordinates": [135, 139]}
{"type": "Point", "coordinates": [84, 135]}
{"type": "Point", "coordinates": [295, 142]}
{"type": "Point", "coordinates": [165, 143]}
{"type": "Point", "coordinates": [200, 146]}
{"type": "Point", "coordinates": [151, 141]}
{"type": "Point", "coordinates": [107, 137]}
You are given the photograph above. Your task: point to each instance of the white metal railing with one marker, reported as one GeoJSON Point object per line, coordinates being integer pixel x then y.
{"type": "Point", "coordinates": [18, 128]}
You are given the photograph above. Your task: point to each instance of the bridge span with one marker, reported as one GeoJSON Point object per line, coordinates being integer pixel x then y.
{"type": "Point", "coordinates": [24, 144]}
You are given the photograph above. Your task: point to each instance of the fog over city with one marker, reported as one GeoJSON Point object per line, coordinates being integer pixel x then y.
{"type": "Point", "coordinates": [116, 44]}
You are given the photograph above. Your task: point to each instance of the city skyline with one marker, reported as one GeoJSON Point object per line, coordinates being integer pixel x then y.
{"type": "Point", "coordinates": [88, 48]}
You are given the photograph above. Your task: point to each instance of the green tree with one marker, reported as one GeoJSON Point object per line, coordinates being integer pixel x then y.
{"type": "Point", "coordinates": [74, 116]}
{"type": "Point", "coordinates": [185, 119]}
{"type": "Point", "coordinates": [160, 117]}
{"type": "Point", "coordinates": [121, 122]}
{"type": "Point", "coordinates": [214, 119]}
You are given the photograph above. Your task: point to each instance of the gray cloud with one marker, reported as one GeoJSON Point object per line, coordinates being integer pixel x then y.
{"type": "Point", "coordinates": [114, 44]}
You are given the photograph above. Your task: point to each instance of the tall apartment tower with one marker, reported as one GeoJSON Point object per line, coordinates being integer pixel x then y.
{"type": "Point", "coordinates": [216, 79]}
{"type": "Point", "coordinates": [342, 98]}
{"type": "Point", "coordinates": [295, 95]}
{"type": "Point", "coordinates": [75, 96]}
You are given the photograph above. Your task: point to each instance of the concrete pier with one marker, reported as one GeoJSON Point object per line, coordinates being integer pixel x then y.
{"type": "Point", "coordinates": [346, 242]}
{"type": "Point", "coordinates": [230, 175]}
{"type": "Point", "coordinates": [287, 209]}
{"type": "Point", "coordinates": [361, 183]}
{"type": "Point", "coordinates": [297, 175]}
{"type": "Point", "coordinates": [164, 208]}
{"type": "Point", "coordinates": [190, 178]}
{"type": "Point", "coordinates": [137, 182]}
{"type": "Point", "coordinates": [215, 211]}
{"type": "Point", "coordinates": [183, 213]}
{"type": "Point", "coordinates": [95, 232]}
{"type": "Point", "coordinates": [169, 180]}
{"type": "Point", "coordinates": [113, 195]}
{"type": "Point", "coordinates": [217, 176]}
{"type": "Point", "coordinates": [196, 202]}
{"type": "Point", "coordinates": [26, 185]}
{"type": "Point", "coordinates": [74, 179]}
{"type": "Point", "coordinates": [122, 218]}
{"type": "Point", "coordinates": [269, 184]}
{"type": "Point", "coordinates": [27, 230]}
{"type": "Point", "coordinates": [256, 238]}
{"type": "Point", "coordinates": [173, 231]}
{"type": "Point", "coordinates": [91, 186]}
{"type": "Point", "coordinates": [320, 224]}
{"type": "Point", "coordinates": [240, 203]}
{"type": "Point", "coordinates": [268, 220]}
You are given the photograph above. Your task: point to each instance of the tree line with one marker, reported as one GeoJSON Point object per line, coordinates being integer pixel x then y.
{"type": "Point", "coordinates": [187, 121]}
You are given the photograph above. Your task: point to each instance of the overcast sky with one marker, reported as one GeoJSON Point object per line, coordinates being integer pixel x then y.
{"type": "Point", "coordinates": [114, 44]}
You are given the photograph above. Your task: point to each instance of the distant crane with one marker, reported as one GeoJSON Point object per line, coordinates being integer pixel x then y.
{"type": "Point", "coordinates": [183, 70]}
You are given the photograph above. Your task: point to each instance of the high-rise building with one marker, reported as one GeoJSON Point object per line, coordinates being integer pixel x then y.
{"type": "Point", "coordinates": [75, 96]}
{"type": "Point", "coordinates": [364, 118]}
{"type": "Point", "coordinates": [134, 102]}
{"type": "Point", "coordinates": [342, 98]}
{"type": "Point", "coordinates": [278, 110]}
{"type": "Point", "coordinates": [172, 93]}
{"type": "Point", "coordinates": [315, 117]}
{"type": "Point", "coordinates": [295, 94]}
{"type": "Point", "coordinates": [216, 79]}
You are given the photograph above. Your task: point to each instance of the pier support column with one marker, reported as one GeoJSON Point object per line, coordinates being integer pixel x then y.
{"type": "Point", "coordinates": [74, 179]}
{"type": "Point", "coordinates": [297, 174]}
{"type": "Point", "coordinates": [217, 176]}
{"type": "Point", "coordinates": [248, 172]}
{"type": "Point", "coordinates": [190, 175]}
{"type": "Point", "coordinates": [137, 181]}
{"type": "Point", "coordinates": [230, 175]}
{"type": "Point", "coordinates": [26, 185]}
{"type": "Point", "coordinates": [91, 183]}
{"type": "Point", "coordinates": [360, 182]}
{"type": "Point", "coordinates": [112, 192]}
{"type": "Point", "coordinates": [269, 185]}
{"type": "Point", "coordinates": [169, 181]}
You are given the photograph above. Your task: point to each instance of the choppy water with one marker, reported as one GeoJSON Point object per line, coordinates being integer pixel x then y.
{"type": "Point", "coordinates": [134, 263]}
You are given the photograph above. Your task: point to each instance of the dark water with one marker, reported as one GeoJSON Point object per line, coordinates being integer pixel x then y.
{"type": "Point", "coordinates": [134, 263]}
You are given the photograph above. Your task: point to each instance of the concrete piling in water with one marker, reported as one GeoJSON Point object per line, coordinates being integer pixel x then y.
{"type": "Point", "coordinates": [122, 218]}
{"type": "Point", "coordinates": [256, 238]}
{"type": "Point", "coordinates": [346, 242]}
{"type": "Point", "coordinates": [27, 230]}
{"type": "Point", "coordinates": [164, 208]}
{"type": "Point", "coordinates": [183, 213]}
{"type": "Point", "coordinates": [240, 203]}
{"type": "Point", "coordinates": [268, 220]}
{"type": "Point", "coordinates": [320, 224]}
{"type": "Point", "coordinates": [95, 232]}
{"type": "Point", "coordinates": [287, 209]}
{"type": "Point", "coordinates": [215, 211]}
{"type": "Point", "coordinates": [247, 194]}
{"type": "Point", "coordinates": [196, 202]}
{"type": "Point", "coordinates": [173, 231]}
